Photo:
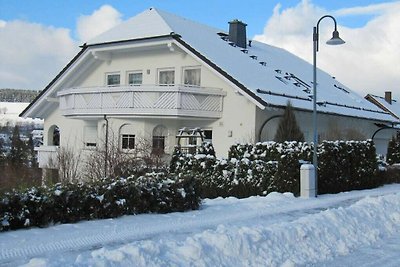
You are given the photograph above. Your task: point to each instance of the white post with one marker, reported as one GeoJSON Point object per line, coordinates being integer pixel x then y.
{"type": "Point", "coordinates": [307, 181]}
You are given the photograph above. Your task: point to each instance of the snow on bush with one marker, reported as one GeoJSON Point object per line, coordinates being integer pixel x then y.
{"type": "Point", "coordinates": [154, 192]}
{"type": "Point", "coordinates": [257, 169]}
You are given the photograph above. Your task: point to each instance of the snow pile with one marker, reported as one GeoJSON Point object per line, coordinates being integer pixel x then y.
{"type": "Point", "coordinates": [9, 114]}
{"type": "Point", "coordinates": [309, 239]}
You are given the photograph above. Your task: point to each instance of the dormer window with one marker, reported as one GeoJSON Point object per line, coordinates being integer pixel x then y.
{"type": "Point", "coordinates": [166, 77]}
{"type": "Point", "coordinates": [191, 76]}
{"type": "Point", "coordinates": [113, 79]}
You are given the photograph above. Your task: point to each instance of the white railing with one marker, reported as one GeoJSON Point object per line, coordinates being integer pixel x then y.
{"type": "Point", "coordinates": [177, 100]}
{"type": "Point", "coordinates": [47, 156]}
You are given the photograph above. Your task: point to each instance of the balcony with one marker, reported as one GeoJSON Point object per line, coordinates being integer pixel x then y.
{"type": "Point", "coordinates": [47, 156]}
{"type": "Point", "coordinates": [144, 100]}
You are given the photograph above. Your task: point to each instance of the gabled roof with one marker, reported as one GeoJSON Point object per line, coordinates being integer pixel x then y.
{"type": "Point", "coordinates": [268, 75]}
{"type": "Point", "coordinates": [393, 108]}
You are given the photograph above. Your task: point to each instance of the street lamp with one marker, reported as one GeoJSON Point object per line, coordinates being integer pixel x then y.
{"type": "Point", "coordinates": [335, 40]}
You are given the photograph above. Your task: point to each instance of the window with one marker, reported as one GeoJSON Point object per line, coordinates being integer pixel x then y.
{"type": "Point", "coordinates": [113, 79]}
{"type": "Point", "coordinates": [158, 145]}
{"type": "Point", "coordinates": [135, 78]}
{"type": "Point", "coordinates": [90, 136]}
{"type": "Point", "coordinates": [191, 76]}
{"type": "Point", "coordinates": [127, 137]}
{"type": "Point", "coordinates": [166, 77]}
{"type": "Point", "coordinates": [207, 136]}
{"type": "Point", "coordinates": [159, 134]}
{"type": "Point", "coordinates": [128, 141]}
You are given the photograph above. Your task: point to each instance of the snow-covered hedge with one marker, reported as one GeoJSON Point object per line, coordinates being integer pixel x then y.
{"type": "Point", "coordinates": [255, 169]}
{"type": "Point", "coordinates": [155, 192]}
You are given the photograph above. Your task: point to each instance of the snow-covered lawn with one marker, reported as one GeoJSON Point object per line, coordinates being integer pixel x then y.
{"type": "Point", "coordinates": [276, 230]}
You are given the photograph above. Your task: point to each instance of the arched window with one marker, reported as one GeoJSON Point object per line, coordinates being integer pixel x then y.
{"type": "Point", "coordinates": [53, 136]}
{"type": "Point", "coordinates": [127, 137]}
{"type": "Point", "coordinates": [159, 134]}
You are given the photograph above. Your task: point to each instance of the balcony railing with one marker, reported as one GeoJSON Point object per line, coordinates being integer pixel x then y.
{"type": "Point", "coordinates": [47, 156]}
{"type": "Point", "coordinates": [177, 100]}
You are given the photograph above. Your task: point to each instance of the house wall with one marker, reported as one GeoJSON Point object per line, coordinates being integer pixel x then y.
{"type": "Point", "coordinates": [71, 130]}
{"type": "Point", "coordinates": [328, 127]}
{"type": "Point", "coordinates": [237, 123]}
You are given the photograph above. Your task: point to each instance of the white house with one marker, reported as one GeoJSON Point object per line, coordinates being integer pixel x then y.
{"type": "Point", "coordinates": [156, 73]}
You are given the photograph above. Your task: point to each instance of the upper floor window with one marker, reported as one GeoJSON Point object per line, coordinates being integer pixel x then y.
{"type": "Point", "coordinates": [191, 76]}
{"type": "Point", "coordinates": [166, 77]}
{"type": "Point", "coordinates": [135, 78]}
{"type": "Point", "coordinates": [113, 79]}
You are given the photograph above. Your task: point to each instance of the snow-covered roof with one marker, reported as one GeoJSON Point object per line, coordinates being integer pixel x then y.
{"type": "Point", "coordinates": [393, 107]}
{"type": "Point", "coordinates": [271, 74]}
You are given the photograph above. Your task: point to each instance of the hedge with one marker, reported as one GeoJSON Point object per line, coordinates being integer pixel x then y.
{"type": "Point", "coordinates": [269, 166]}
{"type": "Point", "coordinates": [155, 192]}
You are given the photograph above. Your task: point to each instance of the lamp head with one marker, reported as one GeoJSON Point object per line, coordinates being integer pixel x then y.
{"type": "Point", "coordinates": [335, 40]}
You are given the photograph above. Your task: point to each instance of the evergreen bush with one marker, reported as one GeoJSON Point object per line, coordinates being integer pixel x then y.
{"type": "Point", "coordinates": [288, 129]}
{"type": "Point", "coordinates": [393, 152]}
{"type": "Point", "coordinates": [154, 192]}
{"type": "Point", "coordinates": [257, 169]}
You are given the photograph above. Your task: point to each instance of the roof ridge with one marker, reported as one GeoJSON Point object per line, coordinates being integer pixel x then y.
{"type": "Point", "coordinates": [151, 16]}
{"type": "Point", "coordinates": [159, 12]}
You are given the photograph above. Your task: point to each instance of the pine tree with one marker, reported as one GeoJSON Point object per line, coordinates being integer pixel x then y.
{"type": "Point", "coordinates": [393, 151]}
{"type": "Point", "coordinates": [17, 153]}
{"type": "Point", "coordinates": [288, 130]}
{"type": "Point", "coordinates": [31, 155]}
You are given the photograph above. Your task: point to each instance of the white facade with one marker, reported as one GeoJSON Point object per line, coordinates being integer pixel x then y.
{"type": "Point", "coordinates": [180, 81]}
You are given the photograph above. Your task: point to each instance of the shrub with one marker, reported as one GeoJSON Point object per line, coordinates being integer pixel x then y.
{"type": "Point", "coordinates": [154, 192]}
{"type": "Point", "coordinates": [288, 129]}
{"type": "Point", "coordinates": [256, 169]}
{"type": "Point", "coordinates": [393, 152]}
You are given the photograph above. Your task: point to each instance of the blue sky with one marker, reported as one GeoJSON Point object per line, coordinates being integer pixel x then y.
{"type": "Point", "coordinates": [38, 37]}
{"type": "Point", "coordinates": [63, 13]}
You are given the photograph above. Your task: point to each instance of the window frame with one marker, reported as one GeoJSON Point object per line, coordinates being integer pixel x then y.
{"type": "Point", "coordinates": [128, 73]}
{"type": "Point", "coordinates": [165, 70]}
{"type": "Point", "coordinates": [90, 136]}
{"type": "Point", "coordinates": [156, 149]}
{"type": "Point", "coordinates": [184, 69]}
{"type": "Point", "coordinates": [130, 138]}
{"type": "Point", "coordinates": [112, 73]}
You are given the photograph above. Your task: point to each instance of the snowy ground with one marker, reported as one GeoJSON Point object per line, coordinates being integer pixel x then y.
{"type": "Point", "coordinates": [359, 228]}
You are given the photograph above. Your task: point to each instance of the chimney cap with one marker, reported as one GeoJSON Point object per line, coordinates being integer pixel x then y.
{"type": "Point", "coordinates": [234, 21]}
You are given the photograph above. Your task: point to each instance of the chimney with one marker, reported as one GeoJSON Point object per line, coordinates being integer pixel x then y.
{"type": "Point", "coordinates": [388, 97]}
{"type": "Point", "coordinates": [237, 33]}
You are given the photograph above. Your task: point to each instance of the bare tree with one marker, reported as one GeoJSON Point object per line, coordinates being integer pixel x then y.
{"type": "Point", "coordinates": [110, 160]}
{"type": "Point", "coordinates": [68, 163]}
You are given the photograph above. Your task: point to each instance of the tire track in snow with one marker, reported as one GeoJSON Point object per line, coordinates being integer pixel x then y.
{"type": "Point", "coordinates": [174, 223]}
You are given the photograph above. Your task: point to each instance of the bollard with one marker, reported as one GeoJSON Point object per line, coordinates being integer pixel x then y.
{"type": "Point", "coordinates": [307, 181]}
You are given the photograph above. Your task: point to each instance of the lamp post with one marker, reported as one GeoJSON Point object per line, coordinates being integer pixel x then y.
{"type": "Point", "coordinates": [335, 40]}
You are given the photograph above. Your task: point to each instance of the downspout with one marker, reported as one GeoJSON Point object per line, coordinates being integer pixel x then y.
{"type": "Point", "coordinates": [106, 148]}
